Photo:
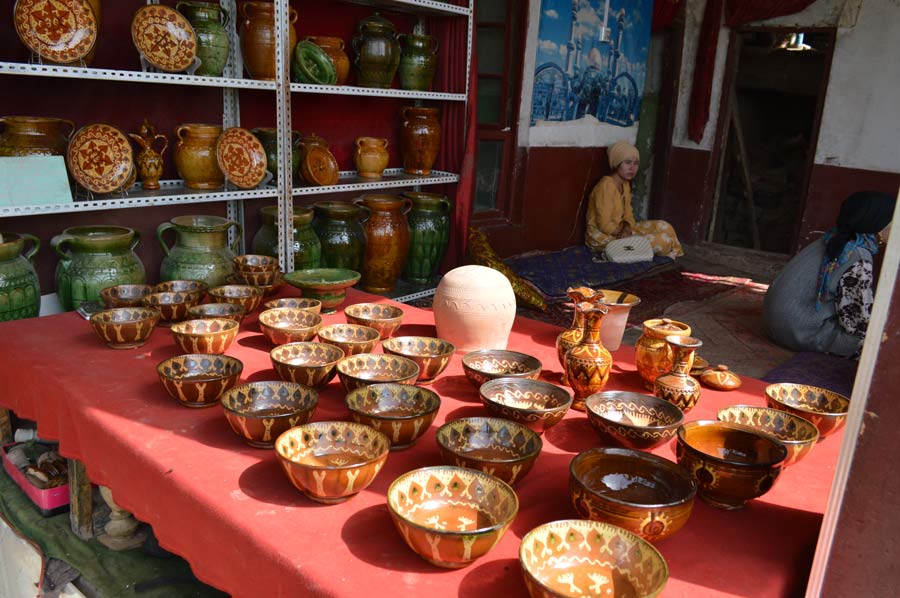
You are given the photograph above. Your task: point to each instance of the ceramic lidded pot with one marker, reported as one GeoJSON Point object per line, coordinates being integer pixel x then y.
{"type": "Point", "coordinates": [571, 336]}
{"type": "Point", "coordinates": [418, 61]}
{"type": "Point", "coordinates": [343, 238]}
{"type": "Point", "coordinates": [376, 52]}
{"type": "Point", "coordinates": [652, 354]}
{"type": "Point", "coordinates": [34, 136]}
{"type": "Point", "coordinates": [148, 161]}
{"type": "Point", "coordinates": [334, 48]}
{"type": "Point", "coordinates": [588, 363]}
{"type": "Point", "coordinates": [387, 240]}
{"type": "Point", "coordinates": [20, 291]}
{"type": "Point", "coordinates": [429, 235]}
{"type": "Point", "coordinates": [208, 20]}
{"type": "Point", "coordinates": [370, 156]}
{"type": "Point", "coordinates": [195, 156]}
{"type": "Point", "coordinates": [201, 250]}
{"type": "Point", "coordinates": [93, 258]}
{"type": "Point", "coordinates": [268, 137]}
{"type": "Point", "coordinates": [307, 249]}
{"type": "Point", "coordinates": [257, 31]}
{"type": "Point", "coordinates": [420, 139]}
{"type": "Point", "coordinates": [474, 308]}
{"type": "Point", "coordinates": [677, 386]}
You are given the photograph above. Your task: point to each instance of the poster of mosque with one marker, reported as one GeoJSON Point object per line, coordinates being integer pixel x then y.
{"type": "Point", "coordinates": [591, 62]}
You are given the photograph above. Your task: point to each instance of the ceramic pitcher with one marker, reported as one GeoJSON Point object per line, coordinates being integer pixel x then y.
{"type": "Point", "coordinates": [20, 291]}
{"type": "Point", "coordinates": [338, 226]}
{"type": "Point", "coordinates": [429, 235]}
{"type": "Point", "coordinates": [571, 336]}
{"type": "Point", "coordinates": [387, 240]}
{"type": "Point", "coordinates": [418, 61]}
{"type": "Point", "coordinates": [195, 156]}
{"type": "Point", "coordinates": [208, 20]}
{"type": "Point", "coordinates": [307, 249]}
{"type": "Point", "coordinates": [34, 136]}
{"type": "Point", "coordinates": [148, 161]}
{"type": "Point", "coordinates": [258, 38]}
{"type": "Point", "coordinates": [92, 258]}
{"type": "Point", "coordinates": [201, 250]}
{"type": "Point", "coordinates": [420, 139]}
{"type": "Point", "coordinates": [588, 363]}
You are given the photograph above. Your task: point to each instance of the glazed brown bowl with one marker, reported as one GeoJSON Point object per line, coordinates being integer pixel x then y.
{"type": "Point", "coordinates": [401, 411]}
{"type": "Point", "coordinates": [125, 327]}
{"type": "Point", "coordinates": [641, 492]}
{"type": "Point", "coordinates": [731, 463]}
{"type": "Point", "coordinates": [451, 516]}
{"type": "Point", "coordinates": [198, 379]}
{"type": "Point", "coordinates": [432, 355]}
{"type": "Point", "coordinates": [313, 305]}
{"type": "Point", "coordinates": [216, 310]}
{"type": "Point", "coordinates": [284, 325]}
{"type": "Point", "coordinates": [499, 447]}
{"type": "Point", "coordinates": [356, 371]}
{"type": "Point", "coordinates": [633, 420]}
{"type": "Point", "coordinates": [213, 335]}
{"type": "Point", "coordinates": [124, 295]}
{"type": "Point", "coordinates": [798, 435]}
{"type": "Point", "coordinates": [172, 306]}
{"type": "Point", "coordinates": [382, 317]}
{"type": "Point", "coordinates": [258, 279]}
{"type": "Point", "coordinates": [351, 338]}
{"type": "Point", "coordinates": [273, 287]}
{"type": "Point", "coordinates": [827, 410]}
{"type": "Point", "coordinates": [259, 412]}
{"type": "Point", "coordinates": [536, 404]}
{"type": "Point", "coordinates": [183, 286]}
{"type": "Point", "coordinates": [560, 557]}
{"type": "Point", "coordinates": [251, 262]}
{"type": "Point", "coordinates": [245, 296]}
{"type": "Point", "coordinates": [311, 364]}
{"type": "Point", "coordinates": [332, 461]}
{"type": "Point", "coordinates": [489, 364]}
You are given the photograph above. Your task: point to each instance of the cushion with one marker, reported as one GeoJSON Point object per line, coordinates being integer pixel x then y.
{"type": "Point", "coordinates": [480, 253]}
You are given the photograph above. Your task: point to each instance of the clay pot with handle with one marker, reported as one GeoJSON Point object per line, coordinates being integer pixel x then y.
{"type": "Point", "coordinates": [20, 291]}
{"type": "Point", "coordinates": [371, 157]}
{"type": "Point", "coordinates": [195, 156]}
{"type": "Point", "coordinates": [334, 47]}
{"type": "Point", "coordinates": [148, 161]}
{"type": "Point", "coordinates": [34, 136]}
{"type": "Point", "coordinates": [258, 38]}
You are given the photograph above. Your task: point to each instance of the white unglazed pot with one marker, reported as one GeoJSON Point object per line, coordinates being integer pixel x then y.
{"type": "Point", "coordinates": [619, 304]}
{"type": "Point", "coordinates": [474, 308]}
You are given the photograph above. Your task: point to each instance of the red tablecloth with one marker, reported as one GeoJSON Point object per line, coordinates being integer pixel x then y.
{"type": "Point", "coordinates": [232, 513]}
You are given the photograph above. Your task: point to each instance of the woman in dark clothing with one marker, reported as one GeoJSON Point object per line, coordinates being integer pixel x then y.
{"type": "Point", "coordinates": [822, 299]}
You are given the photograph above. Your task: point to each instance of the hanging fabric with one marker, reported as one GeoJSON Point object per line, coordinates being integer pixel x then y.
{"type": "Point", "coordinates": [664, 12]}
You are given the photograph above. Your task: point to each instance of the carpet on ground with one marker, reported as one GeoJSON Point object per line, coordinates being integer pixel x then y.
{"type": "Point", "coordinates": [831, 372]}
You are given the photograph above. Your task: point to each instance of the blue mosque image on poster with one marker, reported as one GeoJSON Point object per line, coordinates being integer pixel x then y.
{"type": "Point", "coordinates": [591, 60]}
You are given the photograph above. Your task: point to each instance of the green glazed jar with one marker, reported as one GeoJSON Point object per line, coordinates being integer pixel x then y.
{"type": "Point", "coordinates": [307, 248]}
{"type": "Point", "coordinates": [376, 52]}
{"type": "Point", "coordinates": [20, 291]}
{"type": "Point", "coordinates": [92, 258]}
{"type": "Point", "coordinates": [201, 250]}
{"type": "Point", "coordinates": [268, 136]}
{"type": "Point", "coordinates": [339, 228]}
{"type": "Point", "coordinates": [418, 61]}
{"type": "Point", "coordinates": [208, 21]}
{"type": "Point", "coordinates": [429, 235]}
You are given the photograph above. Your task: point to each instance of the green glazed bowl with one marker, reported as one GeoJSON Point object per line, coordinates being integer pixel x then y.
{"type": "Point", "coordinates": [328, 285]}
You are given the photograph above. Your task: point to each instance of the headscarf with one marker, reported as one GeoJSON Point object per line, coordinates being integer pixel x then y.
{"type": "Point", "coordinates": [863, 214]}
{"type": "Point", "coordinates": [620, 151]}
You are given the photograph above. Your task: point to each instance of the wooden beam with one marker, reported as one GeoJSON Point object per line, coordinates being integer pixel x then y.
{"type": "Point", "coordinates": [81, 501]}
{"type": "Point", "coordinates": [6, 431]}
{"type": "Point", "coordinates": [744, 160]}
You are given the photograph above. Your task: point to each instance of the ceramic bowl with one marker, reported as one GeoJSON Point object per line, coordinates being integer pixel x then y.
{"type": "Point", "coordinates": [499, 447]}
{"type": "Point", "coordinates": [432, 355]}
{"type": "Point", "coordinates": [313, 305]}
{"type": "Point", "coordinates": [401, 411]}
{"type": "Point", "coordinates": [827, 410]}
{"type": "Point", "coordinates": [641, 492]}
{"type": "Point", "coordinates": [328, 285]}
{"type": "Point", "coordinates": [351, 338]}
{"type": "Point", "coordinates": [284, 325]}
{"type": "Point", "coordinates": [633, 420]}
{"type": "Point", "coordinates": [451, 516]}
{"type": "Point", "coordinates": [245, 296]}
{"type": "Point", "coordinates": [213, 335]}
{"type": "Point", "coordinates": [798, 435]}
{"type": "Point", "coordinates": [356, 371]}
{"type": "Point", "coordinates": [183, 286]}
{"type": "Point", "coordinates": [216, 310]}
{"type": "Point", "coordinates": [311, 364]}
{"type": "Point", "coordinates": [259, 412]}
{"type": "Point", "coordinates": [255, 263]}
{"type": "Point", "coordinates": [172, 306]}
{"type": "Point", "coordinates": [332, 461]}
{"type": "Point", "coordinates": [258, 279]}
{"type": "Point", "coordinates": [536, 404]}
{"type": "Point", "coordinates": [382, 317]}
{"type": "Point", "coordinates": [577, 558]}
{"type": "Point", "coordinates": [731, 463]}
{"type": "Point", "coordinates": [124, 295]}
{"type": "Point", "coordinates": [489, 364]}
{"type": "Point", "coordinates": [125, 327]}
{"type": "Point", "coordinates": [197, 379]}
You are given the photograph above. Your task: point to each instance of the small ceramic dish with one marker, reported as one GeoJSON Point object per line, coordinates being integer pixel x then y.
{"type": "Point", "coordinates": [401, 411]}
{"type": "Point", "coordinates": [284, 325]}
{"type": "Point", "coordinates": [312, 364]}
{"type": "Point", "coordinates": [124, 295]}
{"type": "Point", "coordinates": [720, 378]}
{"type": "Point", "coordinates": [488, 364]}
{"type": "Point", "coordinates": [633, 420]}
{"type": "Point", "coordinates": [62, 32]}
{"type": "Point", "coordinates": [183, 286]}
{"type": "Point", "coordinates": [241, 157]}
{"type": "Point", "coordinates": [259, 412]}
{"type": "Point", "coordinates": [382, 317]}
{"type": "Point", "coordinates": [351, 338]}
{"type": "Point", "coordinates": [99, 158]}
{"type": "Point", "coordinates": [217, 310]}
{"type": "Point", "coordinates": [432, 355]}
{"type": "Point", "coordinates": [827, 410]}
{"type": "Point", "coordinates": [164, 37]}
{"type": "Point", "coordinates": [197, 379]}
{"type": "Point", "coordinates": [212, 335]}
{"type": "Point", "coordinates": [797, 434]}
{"type": "Point", "coordinates": [245, 296]}
{"type": "Point", "coordinates": [313, 305]}
{"type": "Point", "coordinates": [536, 404]}
{"type": "Point", "coordinates": [356, 371]}
{"type": "Point", "coordinates": [125, 327]}
{"type": "Point", "coordinates": [172, 306]}
{"type": "Point", "coordinates": [500, 447]}
{"type": "Point", "coordinates": [328, 285]}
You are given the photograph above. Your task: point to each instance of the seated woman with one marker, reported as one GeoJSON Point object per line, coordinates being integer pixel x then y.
{"type": "Point", "coordinates": [609, 214]}
{"type": "Point", "coordinates": [822, 299]}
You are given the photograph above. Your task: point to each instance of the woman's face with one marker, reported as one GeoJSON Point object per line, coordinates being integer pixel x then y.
{"type": "Point", "coordinates": [628, 169]}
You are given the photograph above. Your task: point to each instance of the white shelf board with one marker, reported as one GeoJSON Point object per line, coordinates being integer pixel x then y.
{"type": "Point", "coordinates": [392, 178]}
{"type": "Point", "coordinates": [349, 90]}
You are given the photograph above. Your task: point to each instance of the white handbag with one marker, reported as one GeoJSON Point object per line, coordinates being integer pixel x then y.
{"type": "Point", "coordinates": [629, 250]}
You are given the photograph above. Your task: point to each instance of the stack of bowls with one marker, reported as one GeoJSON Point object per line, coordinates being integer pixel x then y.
{"type": "Point", "coordinates": [261, 271]}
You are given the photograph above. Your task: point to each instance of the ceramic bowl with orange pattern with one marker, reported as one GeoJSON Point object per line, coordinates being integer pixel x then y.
{"type": "Point", "coordinates": [382, 317]}
{"type": "Point", "coordinates": [632, 419]}
{"type": "Point", "coordinates": [198, 379]}
{"type": "Point", "coordinates": [213, 335]}
{"type": "Point", "coordinates": [351, 338]}
{"type": "Point", "coordinates": [432, 355]}
{"type": "Point", "coordinates": [309, 363]}
{"type": "Point", "coordinates": [284, 325]}
{"type": "Point", "coordinates": [499, 447]}
{"type": "Point", "coordinates": [246, 296]}
{"type": "Point", "coordinates": [403, 412]}
{"type": "Point", "coordinates": [259, 412]}
{"type": "Point", "coordinates": [536, 404]}
{"type": "Point", "coordinates": [356, 371]}
{"type": "Point", "coordinates": [124, 295]}
{"type": "Point", "coordinates": [826, 409]}
{"type": "Point", "coordinates": [125, 327]}
{"type": "Point", "coordinates": [797, 434]}
{"type": "Point", "coordinates": [488, 364]}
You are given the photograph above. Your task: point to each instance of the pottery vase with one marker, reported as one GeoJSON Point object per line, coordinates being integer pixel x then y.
{"type": "Point", "coordinates": [257, 34]}
{"type": "Point", "coordinates": [588, 364]}
{"type": "Point", "coordinates": [387, 240]}
{"type": "Point", "coordinates": [370, 157]}
{"type": "Point", "coordinates": [652, 354]}
{"type": "Point", "coordinates": [34, 136]}
{"type": "Point", "coordinates": [195, 156]}
{"type": "Point", "coordinates": [208, 20]}
{"type": "Point", "coordinates": [429, 235]}
{"type": "Point", "coordinates": [376, 52]}
{"type": "Point", "coordinates": [474, 308]}
{"type": "Point", "coordinates": [268, 137]}
{"type": "Point", "coordinates": [418, 61]}
{"type": "Point", "coordinates": [677, 386]}
{"type": "Point", "coordinates": [307, 249]}
{"type": "Point", "coordinates": [619, 304]}
{"type": "Point", "coordinates": [148, 161]}
{"type": "Point", "coordinates": [343, 238]}
{"type": "Point", "coordinates": [201, 250]}
{"type": "Point", "coordinates": [571, 336]}
{"type": "Point", "coordinates": [334, 48]}
{"type": "Point", "coordinates": [92, 258]}
{"type": "Point", "coordinates": [420, 139]}
{"type": "Point", "coordinates": [20, 291]}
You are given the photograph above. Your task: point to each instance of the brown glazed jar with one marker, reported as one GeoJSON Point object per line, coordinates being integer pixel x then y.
{"type": "Point", "coordinates": [195, 156]}
{"type": "Point", "coordinates": [652, 354]}
{"type": "Point", "coordinates": [387, 240]}
{"type": "Point", "coordinates": [334, 47]}
{"type": "Point", "coordinates": [420, 139]}
{"type": "Point", "coordinates": [370, 156]}
{"type": "Point", "coordinates": [34, 136]}
{"type": "Point", "coordinates": [258, 38]}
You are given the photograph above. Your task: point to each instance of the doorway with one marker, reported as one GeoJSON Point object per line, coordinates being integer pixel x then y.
{"type": "Point", "coordinates": [772, 107]}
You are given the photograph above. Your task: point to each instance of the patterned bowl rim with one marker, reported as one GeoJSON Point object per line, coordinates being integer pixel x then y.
{"type": "Point", "coordinates": [231, 308]}
{"type": "Point", "coordinates": [202, 287]}
{"type": "Point", "coordinates": [312, 394]}
{"type": "Point", "coordinates": [152, 314]}
{"type": "Point", "coordinates": [385, 441]}
{"type": "Point", "coordinates": [388, 345]}
{"type": "Point", "coordinates": [324, 346]}
{"type": "Point", "coordinates": [273, 303]}
{"type": "Point", "coordinates": [223, 290]}
{"type": "Point", "coordinates": [529, 360]}
{"type": "Point", "coordinates": [369, 331]}
{"type": "Point", "coordinates": [404, 360]}
{"type": "Point", "coordinates": [770, 393]}
{"type": "Point", "coordinates": [108, 291]}
{"type": "Point", "coordinates": [433, 402]}
{"type": "Point", "coordinates": [227, 325]}
{"type": "Point", "coordinates": [306, 314]}
{"type": "Point", "coordinates": [725, 462]}
{"type": "Point", "coordinates": [800, 421]}
{"type": "Point", "coordinates": [348, 312]}
{"type": "Point", "coordinates": [550, 387]}
{"type": "Point", "coordinates": [534, 436]}
{"type": "Point", "coordinates": [174, 358]}
{"type": "Point", "coordinates": [612, 395]}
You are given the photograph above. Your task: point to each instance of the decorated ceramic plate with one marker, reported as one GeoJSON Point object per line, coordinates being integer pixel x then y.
{"type": "Point", "coordinates": [320, 167]}
{"type": "Point", "coordinates": [241, 157]}
{"type": "Point", "coordinates": [99, 158]}
{"type": "Point", "coordinates": [164, 37]}
{"type": "Point", "coordinates": [62, 31]}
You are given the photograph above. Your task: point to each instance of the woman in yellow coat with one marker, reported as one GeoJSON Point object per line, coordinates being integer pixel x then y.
{"type": "Point", "coordinates": [610, 215]}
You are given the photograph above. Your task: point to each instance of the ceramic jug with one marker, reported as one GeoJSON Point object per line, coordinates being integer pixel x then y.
{"type": "Point", "coordinates": [258, 38]}
{"type": "Point", "coordinates": [418, 61]}
{"type": "Point", "coordinates": [208, 20]}
{"type": "Point", "coordinates": [20, 291]}
{"type": "Point", "coordinates": [429, 235]}
{"type": "Point", "coordinates": [420, 139]}
{"type": "Point", "coordinates": [376, 52]}
{"type": "Point", "coordinates": [34, 136]}
{"type": "Point", "coordinates": [268, 136]}
{"type": "Point", "coordinates": [343, 238]}
{"type": "Point", "coordinates": [334, 48]}
{"type": "Point", "coordinates": [571, 336]}
{"type": "Point", "coordinates": [195, 156]}
{"type": "Point", "coordinates": [387, 240]}
{"type": "Point", "coordinates": [652, 354]}
{"type": "Point", "coordinates": [201, 250]}
{"type": "Point", "coordinates": [370, 157]}
{"type": "Point", "coordinates": [307, 249]}
{"type": "Point", "coordinates": [92, 258]}
{"type": "Point", "coordinates": [148, 161]}
{"type": "Point", "coordinates": [588, 363]}
{"type": "Point", "coordinates": [677, 386]}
